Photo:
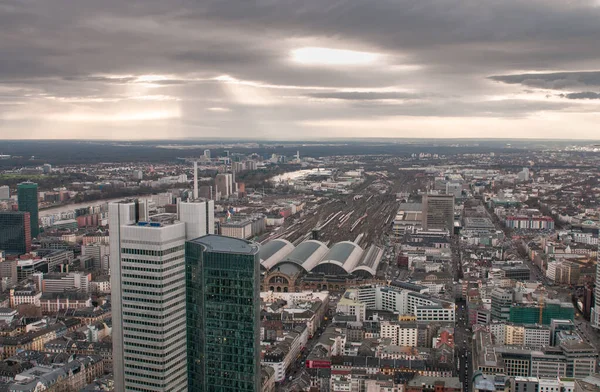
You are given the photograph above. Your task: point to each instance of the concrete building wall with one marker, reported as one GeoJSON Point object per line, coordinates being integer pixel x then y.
{"type": "Point", "coordinates": [148, 303]}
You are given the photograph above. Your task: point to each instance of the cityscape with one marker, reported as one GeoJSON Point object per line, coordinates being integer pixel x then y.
{"type": "Point", "coordinates": [303, 267]}
{"type": "Point", "coordinates": [300, 196]}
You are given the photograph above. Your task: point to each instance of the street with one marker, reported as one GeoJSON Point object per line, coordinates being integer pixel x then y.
{"type": "Point", "coordinates": [463, 342]}
{"type": "Point", "coordinates": [589, 334]}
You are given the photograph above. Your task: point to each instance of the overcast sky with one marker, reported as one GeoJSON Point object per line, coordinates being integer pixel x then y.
{"type": "Point", "coordinates": [299, 69]}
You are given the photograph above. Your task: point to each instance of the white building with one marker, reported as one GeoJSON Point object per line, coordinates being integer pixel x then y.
{"type": "Point", "coordinates": [551, 270]}
{"type": "Point", "coordinates": [58, 283]}
{"type": "Point", "coordinates": [537, 336]}
{"type": "Point", "coordinates": [99, 253]}
{"type": "Point", "coordinates": [403, 301]}
{"type": "Point", "coordinates": [162, 199]}
{"type": "Point", "coordinates": [198, 216]}
{"type": "Point", "coordinates": [401, 333]}
{"type": "Point", "coordinates": [19, 297]}
{"type": "Point", "coordinates": [7, 315]}
{"type": "Point", "coordinates": [350, 305]}
{"type": "Point", "coordinates": [148, 301]}
{"type": "Point", "coordinates": [101, 286]}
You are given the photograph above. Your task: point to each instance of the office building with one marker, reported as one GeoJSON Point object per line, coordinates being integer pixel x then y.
{"type": "Point", "coordinates": [244, 226]}
{"type": "Point", "coordinates": [15, 232]}
{"type": "Point", "coordinates": [27, 266]}
{"type": "Point", "coordinates": [580, 357]}
{"type": "Point", "coordinates": [61, 282]}
{"type": "Point", "coordinates": [198, 216]}
{"type": "Point", "coordinates": [57, 258]}
{"type": "Point", "coordinates": [207, 154]}
{"type": "Point", "coordinates": [401, 333]}
{"type": "Point", "coordinates": [537, 336]}
{"type": "Point", "coordinates": [405, 302]}
{"type": "Point", "coordinates": [567, 273]}
{"type": "Point", "coordinates": [99, 254]}
{"type": "Point", "coordinates": [438, 212]}
{"type": "Point", "coordinates": [205, 192]}
{"type": "Point", "coordinates": [501, 303]}
{"type": "Point", "coordinates": [454, 188]}
{"type": "Point", "coordinates": [27, 193]}
{"type": "Point", "coordinates": [148, 301]}
{"type": "Point", "coordinates": [224, 184]}
{"type": "Point", "coordinates": [223, 314]}
{"type": "Point", "coordinates": [8, 272]}
{"type": "Point", "coordinates": [4, 192]}
{"type": "Point", "coordinates": [520, 273]}
{"type": "Point", "coordinates": [595, 314]}
{"type": "Point", "coordinates": [540, 313]}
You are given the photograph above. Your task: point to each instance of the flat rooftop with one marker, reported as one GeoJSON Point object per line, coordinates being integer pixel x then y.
{"type": "Point", "coordinates": [222, 244]}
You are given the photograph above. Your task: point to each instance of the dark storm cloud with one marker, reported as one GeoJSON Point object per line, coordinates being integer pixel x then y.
{"type": "Point", "coordinates": [555, 80]}
{"type": "Point", "coordinates": [57, 56]}
{"type": "Point", "coordinates": [582, 95]}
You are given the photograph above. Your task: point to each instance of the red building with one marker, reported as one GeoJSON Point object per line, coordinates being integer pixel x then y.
{"type": "Point", "coordinates": [402, 261]}
{"type": "Point", "coordinates": [90, 220]}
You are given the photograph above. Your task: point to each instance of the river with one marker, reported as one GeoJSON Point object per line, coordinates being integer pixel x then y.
{"type": "Point", "coordinates": [71, 207]}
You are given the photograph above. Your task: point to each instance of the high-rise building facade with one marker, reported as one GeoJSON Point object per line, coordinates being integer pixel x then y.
{"type": "Point", "coordinates": [148, 301]}
{"type": "Point", "coordinates": [15, 232]}
{"type": "Point", "coordinates": [595, 314]}
{"type": "Point", "coordinates": [224, 184]}
{"type": "Point", "coordinates": [438, 212]}
{"type": "Point", "coordinates": [223, 314]}
{"type": "Point", "coordinates": [27, 193]}
{"type": "Point", "coordinates": [199, 217]}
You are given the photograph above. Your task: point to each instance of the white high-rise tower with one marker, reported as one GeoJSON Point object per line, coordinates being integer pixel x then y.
{"type": "Point", "coordinates": [148, 293]}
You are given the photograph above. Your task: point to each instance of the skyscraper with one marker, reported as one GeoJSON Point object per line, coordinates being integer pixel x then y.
{"type": "Point", "coordinates": [148, 301]}
{"type": "Point", "coordinates": [438, 212]}
{"type": "Point", "coordinates": [27, 193]}
{"type": "Point", "coordinates": [199, 217]}
{"type": "Point", "coordinates": [147, 263]}
{"type": "Point", "coordinates": [224, 184]}
{"type": "Point", "coordinates": [223, 305]}
{"type": "Point", "coordinates": [595, 316]}
{"type": "Point", "coordinates": [207, 154]}
{"type": "Point", "coordinates": [15, 232]}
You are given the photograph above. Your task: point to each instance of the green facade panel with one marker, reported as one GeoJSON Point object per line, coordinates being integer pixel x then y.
{"type": "Point", "coordinates": [223, 315]}
{"type": "Point", "coordinates": [27, 194]}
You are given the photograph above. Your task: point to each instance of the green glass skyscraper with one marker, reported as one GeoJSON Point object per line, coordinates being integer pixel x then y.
{"type": "Point", "coordinates": [27, 193]}
{"type": "Point", "coordinates": [223, 314]}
